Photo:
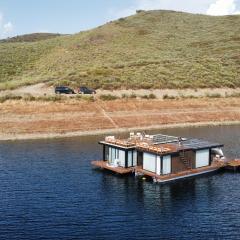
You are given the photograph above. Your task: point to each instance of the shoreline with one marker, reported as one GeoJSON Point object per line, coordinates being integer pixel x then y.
{"type": "Point", "coordinates": [45, 120]}
{"type": "Point", "coordinates": [97, 132]}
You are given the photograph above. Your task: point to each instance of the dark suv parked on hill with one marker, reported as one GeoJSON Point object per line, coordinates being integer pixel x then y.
{"type": "Point", "coordinates": [65, 90]}
{"type": "Point", "coordinates": [85, 90]}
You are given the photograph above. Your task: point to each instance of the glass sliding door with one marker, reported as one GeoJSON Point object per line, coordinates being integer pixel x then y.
{"type": "Point", "coordinates": [130, 155]}
{"type": "Point", "coordinates": [113, 155]}
{"type": "Point", "coordinates": [122, 158]}
{"type": "Point", "coordinates": [106, 157]}
{"type": "Point", "coordinates": [134, 158]}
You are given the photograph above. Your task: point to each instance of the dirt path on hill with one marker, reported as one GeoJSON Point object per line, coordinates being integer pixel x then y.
{"type": "Point", "coordinates": [42, 89]}
{"type": "Point", "coordinates": [26, 120]}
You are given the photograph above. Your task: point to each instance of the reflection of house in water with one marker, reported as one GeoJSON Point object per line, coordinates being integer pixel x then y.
{"type": "Point", "coordinates": [162, 157]}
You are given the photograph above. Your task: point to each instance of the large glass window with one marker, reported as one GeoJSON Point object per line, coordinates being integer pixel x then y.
{"type": "Point", "coordinates": [111, 154]}
{"type": "Point", "coordinates": [130, 155]}
{"type": "Point", "coordinates": [132, 158]}
{"type": "Point", "coordinates": [122, 158]}
{"type": "Point", "coordinates": [118, 156]}
{"type": "Point", "coordinates": [106, 153]}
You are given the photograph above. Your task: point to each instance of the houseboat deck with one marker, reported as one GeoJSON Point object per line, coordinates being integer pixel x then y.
{"type": "Point", "coordinates": [233, 164]}
{"type": "Point", "coordinates": [138, 170]}
{"type": "Point", "coordinates": [174, 176]}
{"type": "Point", "coordinates": [105, 165]}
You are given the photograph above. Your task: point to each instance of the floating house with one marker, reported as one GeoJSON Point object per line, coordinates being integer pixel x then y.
{"type": "Point", "coordinates": [161, 157]}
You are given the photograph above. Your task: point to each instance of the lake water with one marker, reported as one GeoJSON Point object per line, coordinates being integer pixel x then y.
{"type": "Point", "coordinates": [48, 190]}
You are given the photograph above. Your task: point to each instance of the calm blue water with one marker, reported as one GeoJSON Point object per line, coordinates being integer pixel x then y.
{"type": "Point", "coordinates": [48, 190]}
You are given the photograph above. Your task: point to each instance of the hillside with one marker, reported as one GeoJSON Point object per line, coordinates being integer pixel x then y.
{"type": "Point", "coordinates": [152, 49]}
{"type": "Point", "coordinates": [34, 37]}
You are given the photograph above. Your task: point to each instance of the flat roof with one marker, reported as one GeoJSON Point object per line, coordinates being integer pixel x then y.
{"type": "Point", "coordinates": [117, 145]}
{"type": "Point", "coordinates": [159, 143]}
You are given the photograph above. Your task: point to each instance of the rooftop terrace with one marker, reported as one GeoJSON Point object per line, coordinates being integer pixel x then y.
{"type": "Point", "coordinates": [159, 143]}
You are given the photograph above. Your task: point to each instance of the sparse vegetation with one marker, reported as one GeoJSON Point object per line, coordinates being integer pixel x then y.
{"type": "Point", "coordinates": [190, 97]}
{"type": "Point", "coordinates": [237, 95]}
{"type": "Point", "coordinates": [152, 49]}
{"type": "Point", "coordinates": [88, 98]}
{"type": "Point", "coordinates": [29, 97]}
{"type": "Point", "coordinates": [126, 96]}
{"type": "Point", "coordinates": [34, 37]}
{"type": "Point", "coordinates": [55, 98]}
{"type": "Point", "coordinates": [150, 96]}
{"type": "Point", "coordinates": [9, 97]}
{"type": "Point", "coordinates": [133, 95]}
{"type": "Point", "coordinates": [108, 97]}
{"type": "Point", "coordinates": [144, 96]}
{"type": "Point", "coordinates": [166, 96]}
{"type": "Point", "coordinates": [214, 95]}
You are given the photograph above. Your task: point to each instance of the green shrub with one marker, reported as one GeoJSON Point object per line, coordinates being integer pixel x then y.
{"type": "Point", "coordinates": [144, 96]}
{"type": "Point", "coordinates": [166, 96]}
{"type": "Point", "coordinates": [9, 97]}
{"type": "Point", "coordinates": [54, 98]}
{"type": "Point", "coordinates": [152, 96]}
{"type": "Point", "coordinates": [133, 95]}
{"type": "Point", "coordinates": [236, 95]}
{"type": "Point", "coordinates": [29, 97]}
{"type": "Point", "coordinates": [108, 97]}
{"type": "Point", "coordinates": [87, 98]}
{"type": "Point", "coordinates": [124, 95]}
{"type": "Point", "coordinates": [140, 11]}
{"type": "Point", "coordinates": [213, 95]}
{"type": "Point", "coordinates": [189, 96]}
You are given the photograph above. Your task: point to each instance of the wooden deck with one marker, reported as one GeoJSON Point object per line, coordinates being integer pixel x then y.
{"type": "Point", "coordinates": [163, 178]}
{"type": "Point", "coordinates": [174, 176]}
{"type": "Point", "coordinates": [233, 164]}
{"type": "Point", "coordinates": [105, 165]}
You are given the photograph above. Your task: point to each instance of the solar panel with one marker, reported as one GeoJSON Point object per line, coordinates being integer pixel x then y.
{"type": "Point", "coordinates": [199, 143]}
{"type": "Point", "coordinates": [191, 143]}
{"type": "Point", "coordinates": [160, 138]}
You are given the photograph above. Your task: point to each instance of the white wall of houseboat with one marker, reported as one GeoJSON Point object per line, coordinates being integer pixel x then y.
{"type": "Point", "coordinates": [202, 158]}
{"type": "Point", "coordinates": [152, 163]}
{"type": "Point", "coordinates": [149, 162]}
{"type": "Point", "coordinates": [166, 168]}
